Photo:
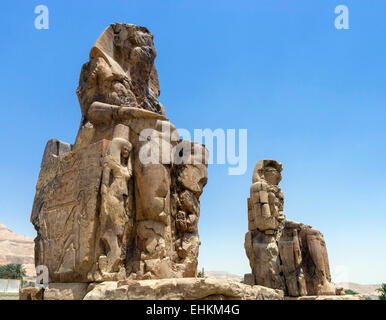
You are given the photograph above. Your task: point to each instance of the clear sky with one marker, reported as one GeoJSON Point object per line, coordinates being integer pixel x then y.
{"type": "Point", "coordinates": [310, 96]}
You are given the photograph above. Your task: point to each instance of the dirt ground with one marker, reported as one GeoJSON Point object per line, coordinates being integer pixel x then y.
{"type": "Point", "coordinates": [9, 296]}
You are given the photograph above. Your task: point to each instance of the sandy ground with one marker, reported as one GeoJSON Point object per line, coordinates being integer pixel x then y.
{"type": "Point", "coordinates": [9, 296]}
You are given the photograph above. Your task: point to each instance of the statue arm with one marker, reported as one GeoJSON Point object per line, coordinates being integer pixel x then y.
{"type": "Point", "coordinates": [130, 166]}
{"type": "Point", "coordinates": [100, 112]}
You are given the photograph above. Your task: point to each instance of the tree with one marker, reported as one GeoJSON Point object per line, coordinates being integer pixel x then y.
{"type": "Point", "coordinates": [201, 274]}
{"type": "Point", "coordinates": [382, 291]}
{"type": "Point", "coordinates": [12, 271]}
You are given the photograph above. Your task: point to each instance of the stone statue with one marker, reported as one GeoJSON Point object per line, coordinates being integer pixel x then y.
{"type": "Point", "coordinates": [116, 215]}
{"type": "Point", "coordinates": [102, 211]}
{"type": "Point", "coordinates": [265, 217]}
{"type": "Point", "coordinates": [283, 254]}
{"type": "Point", "coordinates": [266, 199]}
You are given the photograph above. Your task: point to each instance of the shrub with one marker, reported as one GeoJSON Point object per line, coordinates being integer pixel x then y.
{"type": "Point", "coordinates": [382, 291]}
{"type": "Point", "coordinates": [25, 284]}
{"type": "Point", "coordinates": [349, 291]}
{"type": "Point", "coordinates": [12, 271]}
{"type": "Point", "coordinates": [201, 274]}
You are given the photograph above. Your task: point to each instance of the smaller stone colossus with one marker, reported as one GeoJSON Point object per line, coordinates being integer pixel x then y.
{"type": "Point", "coordinates": [283, 254]}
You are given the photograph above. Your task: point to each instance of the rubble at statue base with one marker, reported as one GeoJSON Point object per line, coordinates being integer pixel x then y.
{"type": "Point", "coordinates": [283, 254]}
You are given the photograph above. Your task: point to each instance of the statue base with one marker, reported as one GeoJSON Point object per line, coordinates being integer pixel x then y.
{"type": "Point", "coordinates": [162, 289]}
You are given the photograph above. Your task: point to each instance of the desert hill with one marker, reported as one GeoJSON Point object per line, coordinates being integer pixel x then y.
{"type": "Point", "coordinates": [366, 289]}
{"type": "Point", "coordinates": [15, 248]}
{"type": "Point", "coordinates": [223, 275]}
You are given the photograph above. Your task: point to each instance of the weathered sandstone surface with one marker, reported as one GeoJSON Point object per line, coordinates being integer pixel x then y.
{"type": "Point", "coordinates": [31, 293]}
{"type": "Point", "coordinates": [181, 289]}
{"type": "Point", "coordinates": [65, 291]}
{"type": "Point", "coordinates": [161, 289]}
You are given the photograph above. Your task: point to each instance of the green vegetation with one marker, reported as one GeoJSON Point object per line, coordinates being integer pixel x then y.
{"type": "Point", "coordinates": [12, 271]}
{"type": "Point", "coordinates": [9, 296]}
{"type": "Point", "coordinates": [382, 291]}
{"type": "Point", "coordinates": [201, 274]}
{"type": "Point", "coordinates": [349, 291]}
{"type": "Point", "coordinates": [25, 284]}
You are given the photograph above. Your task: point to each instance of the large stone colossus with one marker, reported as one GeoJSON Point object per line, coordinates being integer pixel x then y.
{"type": "Point", "coordinates": [283, 254]}
{"type": "Point", "coordinates": [123, 201]}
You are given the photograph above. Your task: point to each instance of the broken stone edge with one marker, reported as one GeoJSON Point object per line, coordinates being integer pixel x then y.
{"type": "Point", "coordinates": [161, 289]}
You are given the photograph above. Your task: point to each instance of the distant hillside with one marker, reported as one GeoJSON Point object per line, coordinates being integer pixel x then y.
{"type": "Point", "coordinates": [223, 275]}
{"type": "Point", "coordinates": [15, 248]}
{"type": "Point", "coordinates": [366, 289]}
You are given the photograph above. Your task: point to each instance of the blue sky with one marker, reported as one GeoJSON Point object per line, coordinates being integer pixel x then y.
{"type": "Point", "coordinates": [310, 96]}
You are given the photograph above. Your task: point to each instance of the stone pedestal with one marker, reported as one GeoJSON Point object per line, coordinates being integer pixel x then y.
{"type": "Point", "coordinates": [162, 289]}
